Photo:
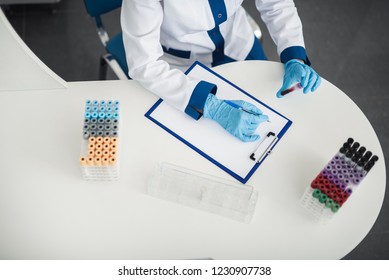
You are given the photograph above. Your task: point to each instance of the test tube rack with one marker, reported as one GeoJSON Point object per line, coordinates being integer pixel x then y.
{"type": "Point", "coordinates": [99, 158]}
{"type": "Point", "coordinates": [338, 180]}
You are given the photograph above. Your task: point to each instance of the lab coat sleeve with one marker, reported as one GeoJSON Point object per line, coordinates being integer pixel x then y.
{"type": "Point", "coordinates": [285, 28]}
{"type": "Point", "coordinates": [141, 22]}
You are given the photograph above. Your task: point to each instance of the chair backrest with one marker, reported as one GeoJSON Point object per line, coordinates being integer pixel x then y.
{"type": "Point", "coordinates": [99, 7]}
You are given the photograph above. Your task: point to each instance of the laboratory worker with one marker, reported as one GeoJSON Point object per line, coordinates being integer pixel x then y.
{"type": "Point", "coordinates": [162, 38]}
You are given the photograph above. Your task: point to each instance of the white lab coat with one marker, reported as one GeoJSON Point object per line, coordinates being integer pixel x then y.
{"type": "Point", "coordinates": [192, 26]}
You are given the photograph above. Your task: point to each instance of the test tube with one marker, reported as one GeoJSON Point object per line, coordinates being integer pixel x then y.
{"type": "Point", "coordinates": [292, 88]}
{"type": "Point", "coordinates": [112, 161]}
{"type": "Point", "coordinates": [349, 155]}
{"type": "Point", "coordinates": [357, 156]}
{"type": "Point", "coordinates": [365, 158]}
{"type": "Point", "coordinates": [354, 147]}
{"type": "Point", "coordinates": [83, 161]}
{"type": "Point", "coordinates": [369, 165]}
{"type": "Point", "coordinates": [105, 161]}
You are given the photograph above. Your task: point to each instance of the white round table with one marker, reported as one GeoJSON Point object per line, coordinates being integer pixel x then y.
{"type": "Point", "coordinates": [47, 211]}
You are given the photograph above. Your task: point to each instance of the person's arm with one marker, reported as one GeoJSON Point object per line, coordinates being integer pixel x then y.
{"type": "Point", "coordinates": [285, 28]}
{"type": "Point", "coordinates": [141, 22]}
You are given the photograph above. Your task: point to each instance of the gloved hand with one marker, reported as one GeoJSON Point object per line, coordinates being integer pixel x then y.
{"type": "Point", "coordinates": [240, 122]}
{"type": "Point", "coordinates": [298, 72]}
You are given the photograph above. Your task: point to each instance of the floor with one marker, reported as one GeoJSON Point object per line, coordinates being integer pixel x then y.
{"type": "Point", "coordinates": [346, 41]}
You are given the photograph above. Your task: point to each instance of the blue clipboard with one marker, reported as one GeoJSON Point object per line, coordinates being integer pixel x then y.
{"type": "Point", "coordinates": [243, 171]}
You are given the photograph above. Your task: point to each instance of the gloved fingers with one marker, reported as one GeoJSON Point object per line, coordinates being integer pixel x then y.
{"type": "Point", "coordinates": [298, 72]}
{"type": "Point", "coordinates": [317, 83]}
{"type": "Point", "coordinates": [305, 74]}
{"type": "Point", "coordinates": [251, 128]}
{"type": "Point", "coordinates": [278, 94]}
{"type": "Point", "coordinates": [252, 119]}
{"type": "Point", "coordinates": [249, 132]}
{"type": "Point", "coordinates": [291, 77]}
{"type": "Point", "coordinates": [263, 118]}
{"type": "Point", "coordinates": [313, 77]}
{"type": "Point", "coordinates": [249, 138]}
{"type": "Point", "coordinates": [251, 125]}
{"type": "Point", "coordinates": [311, 80]}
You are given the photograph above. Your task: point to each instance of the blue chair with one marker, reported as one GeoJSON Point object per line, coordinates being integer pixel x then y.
{"type": "Point", "coordinates": [115, 57]}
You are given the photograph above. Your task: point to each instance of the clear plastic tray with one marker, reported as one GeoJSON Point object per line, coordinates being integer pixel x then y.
{"type": "Point", "coordinates": [203, 191]}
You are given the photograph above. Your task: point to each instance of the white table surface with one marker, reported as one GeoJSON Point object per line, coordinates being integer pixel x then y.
{"type": "Point", "coordinates": [20, 68]}
{"type": "Point", "coordinates": [47, 211]}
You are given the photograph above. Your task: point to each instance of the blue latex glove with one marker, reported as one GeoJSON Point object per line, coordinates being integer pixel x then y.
{"type": "Point", "coordinates": [298, 72]}
{"type": "Point", "coordinates": [235, 119]}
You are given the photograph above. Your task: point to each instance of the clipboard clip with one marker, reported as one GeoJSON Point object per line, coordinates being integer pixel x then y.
{"type": "Point", "coordinates": [264, 147]}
